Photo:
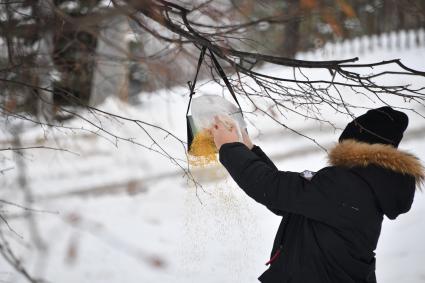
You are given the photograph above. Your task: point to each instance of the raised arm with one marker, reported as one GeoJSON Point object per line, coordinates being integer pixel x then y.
{"type": "Point", "coordinates": [262, 182]}
{"type": "Point", "coordinates": [279, 191]}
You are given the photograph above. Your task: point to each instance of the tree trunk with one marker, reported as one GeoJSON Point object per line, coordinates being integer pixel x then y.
{"type": "Point", "coordinates": [45, 107]}
{"type": "Point", "coordinates": [291, 34]}
{"type": "Point", "coordinates": [111, 69]}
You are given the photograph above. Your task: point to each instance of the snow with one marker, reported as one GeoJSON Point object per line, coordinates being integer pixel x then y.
{"type": "Point", "coordinates": [149, 225]}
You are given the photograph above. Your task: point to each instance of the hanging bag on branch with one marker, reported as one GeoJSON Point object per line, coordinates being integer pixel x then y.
{"type": "Point", "coordinates": [201, 147]}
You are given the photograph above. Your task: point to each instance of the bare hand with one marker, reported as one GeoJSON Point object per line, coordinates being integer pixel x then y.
{"type": "Point", "coordinates": [224, 131]}
{"type": "Point", "coordinates": [246, 139]}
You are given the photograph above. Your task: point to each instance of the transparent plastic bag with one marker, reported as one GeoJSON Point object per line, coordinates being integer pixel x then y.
{"type": "Point", "coordinates": [204, 108]}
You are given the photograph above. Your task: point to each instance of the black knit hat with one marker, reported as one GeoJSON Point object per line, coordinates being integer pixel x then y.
{"type": "Point", "coordinates": [382, 125]}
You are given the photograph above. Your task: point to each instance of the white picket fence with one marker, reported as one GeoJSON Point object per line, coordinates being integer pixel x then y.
{"type": "Point", "coordinates": [396, 40]}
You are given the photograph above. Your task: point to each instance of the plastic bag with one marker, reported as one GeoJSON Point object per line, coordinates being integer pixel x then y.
{"type": "Point", "coordinates": [204, 108]}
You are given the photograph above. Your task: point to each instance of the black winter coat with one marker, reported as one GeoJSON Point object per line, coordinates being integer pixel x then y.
{"type": "Point", "coordinates": [331, 222]}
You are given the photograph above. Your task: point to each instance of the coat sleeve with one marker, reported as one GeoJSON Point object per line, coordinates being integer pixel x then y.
{"type": "Point", "coordinates": [263, 156]}
{"type": "Point", "coordinates": [277, 190]}
{"type": "Point", "coordinates": [260, 153]}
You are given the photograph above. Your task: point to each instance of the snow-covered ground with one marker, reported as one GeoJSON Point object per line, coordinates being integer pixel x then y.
{"type": "Point", "coordinates": [118, 212]}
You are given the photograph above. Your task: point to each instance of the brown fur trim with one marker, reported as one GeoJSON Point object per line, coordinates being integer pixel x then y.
{"type": "Point", "coordinates": [352, 153]}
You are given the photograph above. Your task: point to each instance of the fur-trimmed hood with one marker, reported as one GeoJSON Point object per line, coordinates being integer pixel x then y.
{"type": "Point", "coordinates": [392, 174]}
{"type": "Point", "coordinates": [351, 153]}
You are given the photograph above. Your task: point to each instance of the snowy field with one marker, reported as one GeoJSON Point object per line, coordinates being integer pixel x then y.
{"type": "Point", "coordinates": [120, 213]}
